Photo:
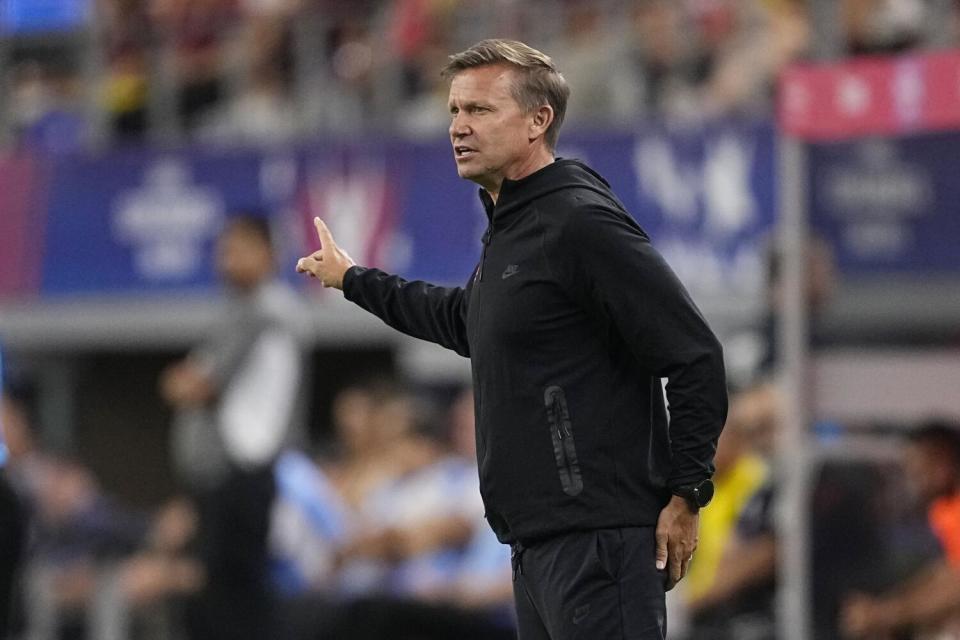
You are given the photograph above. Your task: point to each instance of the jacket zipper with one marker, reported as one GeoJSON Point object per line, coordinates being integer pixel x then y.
{"type": "Point", "coordinates": [483, 255]}
{"type": "Point", "coordinates": [564, 449]}
{"type": "Point", "coordinates": [481, 440]}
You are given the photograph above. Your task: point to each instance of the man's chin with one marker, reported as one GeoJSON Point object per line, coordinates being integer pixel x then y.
{"type": "Point", "coordinates": [474, 174]}
{"type": "Point", "coordinates": [468, 173]}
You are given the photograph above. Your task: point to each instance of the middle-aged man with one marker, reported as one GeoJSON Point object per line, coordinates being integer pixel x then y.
{"type": "Point", "coordinates": [570, 321]}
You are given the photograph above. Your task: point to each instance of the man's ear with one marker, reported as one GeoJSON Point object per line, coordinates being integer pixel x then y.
{"type": "Point", "coordinates": [540, 122]}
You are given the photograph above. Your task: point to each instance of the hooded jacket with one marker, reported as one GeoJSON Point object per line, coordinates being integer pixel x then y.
{"type": "Point", "coordinates": [570, 320]}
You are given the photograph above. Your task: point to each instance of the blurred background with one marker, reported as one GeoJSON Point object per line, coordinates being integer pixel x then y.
{"type": "Point", "coordinates": [161, 162]}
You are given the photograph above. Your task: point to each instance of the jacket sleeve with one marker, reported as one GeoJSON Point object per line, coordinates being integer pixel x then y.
{"type": "Point", "coordinates": [611, 266]}
{"type": "Point", "coordinates": [416, 308]}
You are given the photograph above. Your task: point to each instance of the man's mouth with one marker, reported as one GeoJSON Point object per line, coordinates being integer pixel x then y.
{"type": "Point", "coordinates": [463, 151]}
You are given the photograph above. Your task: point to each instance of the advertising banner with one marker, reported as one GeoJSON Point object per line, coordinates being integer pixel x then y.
{"type": "Point", "coordinates": [871, 96]}
{"type": "Point", "coordinates": [888, 205]}
{"type": "Point", "coordinates": [145, 222]}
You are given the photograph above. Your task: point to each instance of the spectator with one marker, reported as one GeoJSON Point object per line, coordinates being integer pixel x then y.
{"type": "Point", "coordinates": [746, 60]}
{"type": "Point", "coordinates": [740, 474]}
{"type": "Point", "coordinates": [425, 528]}
{"type": "Point", "coordinates": [236, 398]}
{"type": "Point", "coordinates": [883, 26]}
{"type": "Point", "coordinates": [606, 89]}
{"type": "Point", "coordinates": [198, 30]}
{"type": "Point", "coordinates": [739, 601]}
{"type": "Point", "coordinates": [930, 600]}
{"type": "Point", "coordinates": [262, 113]}
{"type": "Point", "coordinates": [371, 423]}
{"type": "Point", "coordinates": [45, 106]}
{"type": "Point", "coordinates": [665, 59]}
{"type": "Point", "coordinates": [127, 33]}
{"type": "Point", "coordinates": [309, 523]}
{"type": "Point", "coordinates": [92, 565]}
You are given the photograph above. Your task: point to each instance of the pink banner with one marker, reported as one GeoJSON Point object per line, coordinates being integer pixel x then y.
{"type": "Point", "coordinates": [21, 224]}
{"type": "Point", "coordinates": [871, 96]}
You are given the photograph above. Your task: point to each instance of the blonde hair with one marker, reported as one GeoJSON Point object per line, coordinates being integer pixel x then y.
{"type": "Point", "coordinates": [538, 80]}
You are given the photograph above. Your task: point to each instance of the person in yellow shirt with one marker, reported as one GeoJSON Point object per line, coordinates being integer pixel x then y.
{"type": "Point", "coordinates": [731, 586]}
{"type": "Point", "coordinates": [741, 471]}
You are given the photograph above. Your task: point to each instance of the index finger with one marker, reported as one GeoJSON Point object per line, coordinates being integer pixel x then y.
{"type": "Point", "coordinates": [326, 239]}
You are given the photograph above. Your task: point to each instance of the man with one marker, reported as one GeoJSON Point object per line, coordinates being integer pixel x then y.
{"type": "Point", "coordinates": [570, 320]}
{"type": "Point", "coordinates": [236, 398]}
{"type": "Point", "coordinates": [930, 599]}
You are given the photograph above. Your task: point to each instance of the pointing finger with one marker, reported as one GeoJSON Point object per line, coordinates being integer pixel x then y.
{"type": "Point", "coordinates": [326, 239]}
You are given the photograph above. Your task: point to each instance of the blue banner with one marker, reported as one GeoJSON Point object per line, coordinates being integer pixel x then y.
{"type": "Point", "coordinates": [134, 222]}
{"type": "Point", "coordinates": [42, 15]}
{"type": "Point", "coordinates": [888, 205]}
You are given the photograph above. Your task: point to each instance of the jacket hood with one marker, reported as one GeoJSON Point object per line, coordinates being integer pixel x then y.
{"type": "Point", "coordinates": [561, 174]}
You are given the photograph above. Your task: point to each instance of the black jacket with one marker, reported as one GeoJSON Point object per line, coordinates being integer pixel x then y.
{"type": "Point", "coordinates": [570, 320]}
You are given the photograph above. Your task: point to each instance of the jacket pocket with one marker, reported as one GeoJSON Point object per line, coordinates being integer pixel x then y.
{"type": "Point", "coordinates": [561, 434]}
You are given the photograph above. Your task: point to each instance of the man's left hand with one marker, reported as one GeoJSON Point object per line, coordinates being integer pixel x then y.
{"type": "Point", "coordinates": [186, 386]}
{"type": "Point", "coordinates": [677, 529]}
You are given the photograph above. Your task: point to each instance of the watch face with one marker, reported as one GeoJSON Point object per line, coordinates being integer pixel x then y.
{"type": "Point", "coordinates": [704, 493]}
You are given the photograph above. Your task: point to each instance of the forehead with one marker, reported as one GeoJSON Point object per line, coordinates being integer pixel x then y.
{"type": "Point", "coordinates": [240, 234]}
{"type": "Point", "coordinates": [490, 82]}
{"type": "Point", "coordinates": [927, 452]}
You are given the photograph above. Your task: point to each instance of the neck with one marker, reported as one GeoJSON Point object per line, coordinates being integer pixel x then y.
{"type": "Point", "coordinates": [529, 165]}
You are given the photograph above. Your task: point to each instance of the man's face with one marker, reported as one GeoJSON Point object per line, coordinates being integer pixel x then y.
{"type": "Point", "coordinates": [243, 258]}
{"type": "Point", "coordinates": [929, 471]}
{"type": "Point", "coordinates": [488, 129]}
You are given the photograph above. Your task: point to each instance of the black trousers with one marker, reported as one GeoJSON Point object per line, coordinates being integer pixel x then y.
{"type": "Point", "coordinates": [236, 603]}
{"type": "Point", "coordinates": [12, 537]}
{"type": "Point", "coordinates": [391, 619]}
{"type": "Point", "coordinates": [589, 585]}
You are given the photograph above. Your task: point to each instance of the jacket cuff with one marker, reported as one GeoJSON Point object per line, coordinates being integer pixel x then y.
{"type": "Point", "coordinates": [349, 276]}
{"type": "Point", "coordinates": [688, 479]}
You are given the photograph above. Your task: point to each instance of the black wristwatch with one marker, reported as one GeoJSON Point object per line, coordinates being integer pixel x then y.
{"type": "Point", "coordinates": [697, 495]}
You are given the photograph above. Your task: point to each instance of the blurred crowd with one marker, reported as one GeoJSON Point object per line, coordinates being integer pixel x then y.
{"type": "Point", "coordinates": [377, 530]}
{"type": "Point", "coordinates": [270, 71]}
{"type": "Point", "coordinates": [379, 533]}
{"type": "Point", "coordinates": [381, 536]}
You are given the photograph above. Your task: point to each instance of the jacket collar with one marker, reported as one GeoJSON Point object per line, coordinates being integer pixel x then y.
{"type": "Point", "coordinates": [559, 174]}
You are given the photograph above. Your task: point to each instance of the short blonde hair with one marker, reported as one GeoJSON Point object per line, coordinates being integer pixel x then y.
{"type": "Point", "coordinates": [539, 82]}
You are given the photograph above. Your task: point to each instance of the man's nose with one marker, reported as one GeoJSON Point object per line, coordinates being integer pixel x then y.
{"type": "Point", "coordinates": [459, 128]}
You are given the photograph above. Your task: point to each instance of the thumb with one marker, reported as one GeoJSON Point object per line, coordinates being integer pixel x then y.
{"type": "Point", "coordinates": [661, 550]}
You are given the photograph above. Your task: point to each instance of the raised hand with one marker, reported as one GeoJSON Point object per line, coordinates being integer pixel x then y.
{"type": "Point", "coordinates": [330, 263]}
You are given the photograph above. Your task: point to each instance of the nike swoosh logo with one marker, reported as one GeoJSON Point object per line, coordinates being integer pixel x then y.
{"type": "Point", "coordinates": [580, 613]}
{"type": "Point", "coordinates": [511, 270]}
